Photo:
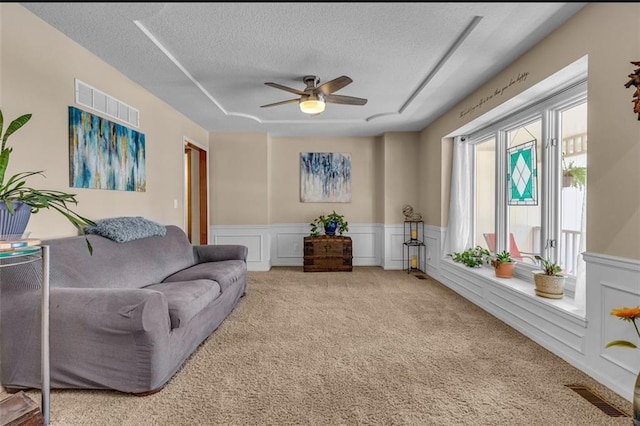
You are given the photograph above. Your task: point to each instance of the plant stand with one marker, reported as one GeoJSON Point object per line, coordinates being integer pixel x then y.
{"type": "Point", "coordinates": [413, 246]}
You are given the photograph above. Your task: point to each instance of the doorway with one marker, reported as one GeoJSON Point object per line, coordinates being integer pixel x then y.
{"type": "Point", "coordinates": [196, 193]}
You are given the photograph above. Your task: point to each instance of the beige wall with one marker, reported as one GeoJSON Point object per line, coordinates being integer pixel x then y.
{"type": "Point", "coordinates": [401, 164]}
{"type": "Point", "coordinates": [286, 206]}
{"type": "Point", "coordinates": [609, 34]}
{"type": "Point", "coordinates": [378, 153]}
{"type": "Point", "coordinates": [246, 167]}
{"type": "Point", "coordinates": [39, 65]}
{"type": "Point", "coordinates": [239, 178]}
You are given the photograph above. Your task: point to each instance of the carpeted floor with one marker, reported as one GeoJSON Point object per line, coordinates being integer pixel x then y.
{"type": "Point", "coordinates": [368, 347]}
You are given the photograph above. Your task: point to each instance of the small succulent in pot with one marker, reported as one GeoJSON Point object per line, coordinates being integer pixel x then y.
{"type": "Point", "coordinates": [549, 268]}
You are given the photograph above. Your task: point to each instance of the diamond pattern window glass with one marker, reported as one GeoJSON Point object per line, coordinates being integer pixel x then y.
{"type": "Point", "coordinates": [522, 175]}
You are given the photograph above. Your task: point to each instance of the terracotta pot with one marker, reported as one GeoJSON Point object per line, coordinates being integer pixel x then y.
{"type": "Point", "coordinates": [549, 286]}
{"type": "Point", "coordinates": [505, 270]}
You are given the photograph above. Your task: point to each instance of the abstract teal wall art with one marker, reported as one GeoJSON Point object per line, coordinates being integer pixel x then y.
{"type": "Point", "coordinates": [104, 154]}
{"type": "Point", "coordinates": [522, 175]}
{"type": "Point", "coordinates": [325, 177]}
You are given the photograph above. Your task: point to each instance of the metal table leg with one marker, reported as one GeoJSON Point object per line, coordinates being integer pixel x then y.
{"type": "Point", "coordinates": [45, 335]}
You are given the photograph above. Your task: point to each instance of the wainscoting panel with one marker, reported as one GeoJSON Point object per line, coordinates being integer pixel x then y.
{"type": "Point", "coordinates": [394, 236]}
{"type": "Point", "coordinates": [288, 244]}
{"type": "Point", "coordinates": [549, 324]}
{"type": "Point", "coordinates": [612, 283]}
{"type": "Point", "coordinates": [463, 283]}
{"type": "Point", "coordinates": [364, 245]}
{"type": "Point", "coordinates": [434, 242]}
{"type": "Point", "coordinates": [256, 238]}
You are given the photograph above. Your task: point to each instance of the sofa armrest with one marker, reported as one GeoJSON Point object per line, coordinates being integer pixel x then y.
{"type": "Point", "coordinates": [110, 311]}
{"type": "Point", "coordinates": [219, 252]}
{"type": "Point", "coordinates": [100, 338]}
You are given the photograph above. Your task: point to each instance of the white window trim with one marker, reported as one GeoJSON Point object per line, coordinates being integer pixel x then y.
{"type": "Point", "coordinates": [548, 111]}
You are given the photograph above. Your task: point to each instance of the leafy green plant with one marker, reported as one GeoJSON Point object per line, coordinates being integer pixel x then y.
{"type": "Point", "coordinates": [322, 221]}
{"type": "Point", "coordinates": [15, 189]}
{"type": "Point", "coordinates": [472, 257]}
{"type": "Point", "coordinates": [502, 257]}
{"type": "Point", "coordinates": [548, 267]}
{"type": "Point", "coordinates": [578, 174]}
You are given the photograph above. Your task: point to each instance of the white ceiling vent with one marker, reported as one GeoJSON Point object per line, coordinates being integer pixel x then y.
{"type": "Point", "coordinates": [99, 101]}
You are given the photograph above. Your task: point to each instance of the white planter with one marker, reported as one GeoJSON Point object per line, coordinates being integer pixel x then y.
{"type": "Point", "coordinates": [549, 286]}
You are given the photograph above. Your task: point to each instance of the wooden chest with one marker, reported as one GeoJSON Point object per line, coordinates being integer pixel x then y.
{"type": "Point", "coordinates": [20, 410]}
{"type": "Point", "coordinates": [327, 254]}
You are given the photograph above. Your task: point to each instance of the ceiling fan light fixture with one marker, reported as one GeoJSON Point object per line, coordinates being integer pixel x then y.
{"type": "Point", "coordinates": [312, 104]}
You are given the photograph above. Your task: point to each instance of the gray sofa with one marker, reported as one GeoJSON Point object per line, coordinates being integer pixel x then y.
{"type": "Point", "coordinates": [125, 318]}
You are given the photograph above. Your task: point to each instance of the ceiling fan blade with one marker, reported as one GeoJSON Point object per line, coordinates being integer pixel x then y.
{"type": "Point", "coordinates": [285, 88]}
{"type": "Point", "coordinates": [333, 85]}
{"type": "Point", "coordinates": [280, 103]}
{"type": "Point", "coordinates": [345, 100]}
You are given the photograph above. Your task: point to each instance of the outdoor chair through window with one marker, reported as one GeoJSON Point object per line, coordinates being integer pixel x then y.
{"type": "Point", "coordinates": [515, 253]}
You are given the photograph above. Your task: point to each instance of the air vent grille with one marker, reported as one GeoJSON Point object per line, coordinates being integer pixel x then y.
{"type": "Point", "coordinates": [97, 100]}
{"type": "Point", "coordinates": [596, 400]}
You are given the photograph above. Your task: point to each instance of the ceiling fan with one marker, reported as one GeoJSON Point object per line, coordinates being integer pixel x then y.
{"type": "Point", "coordinates": [313, 98]}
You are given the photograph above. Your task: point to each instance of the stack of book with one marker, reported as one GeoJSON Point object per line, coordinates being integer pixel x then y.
{"type": "Point", "coordinates": [17, 245]}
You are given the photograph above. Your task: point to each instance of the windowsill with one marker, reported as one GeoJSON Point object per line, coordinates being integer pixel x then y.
{"type": "Point", "coordinates": [524, 288]}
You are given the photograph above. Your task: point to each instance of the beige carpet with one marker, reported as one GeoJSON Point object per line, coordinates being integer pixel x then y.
{"type": "Point", "coordinates": [368, 347]}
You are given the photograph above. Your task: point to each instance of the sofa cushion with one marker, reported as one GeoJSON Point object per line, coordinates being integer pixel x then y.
{"type": "Point", "coordinates": [225, 272]}
{"type": "Point", "coordinates": [134, 264]}
{"type": "Point", "coordinates": [186, 298]}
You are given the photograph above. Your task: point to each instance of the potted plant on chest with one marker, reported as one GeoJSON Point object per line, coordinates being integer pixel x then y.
{"type": "Point", "coordinates": [18, 201]}
{"type": "Point", "coordinates": [330, 224]}
{"type": "Point", "coordinates": [550, 281]}
{"type": "Point", "coordinates": [503, 264]}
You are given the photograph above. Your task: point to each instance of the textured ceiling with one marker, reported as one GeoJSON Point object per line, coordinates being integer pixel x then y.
{"type": "Point", "coordinates": [412, 61]}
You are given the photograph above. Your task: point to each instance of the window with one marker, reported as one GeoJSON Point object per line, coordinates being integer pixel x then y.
{"type": "Point", "coordinates": [524, 203]}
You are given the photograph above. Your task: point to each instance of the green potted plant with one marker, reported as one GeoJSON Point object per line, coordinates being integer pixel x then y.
{"type": "Point", "coordinates": [330, 223]}
{"type": "Point", "coordinates": [503, 264]}
{"type": "Point", "coordinates": [550, 281]}
{"type": "Point", "coordinates": [18, 201]}
{"type": "Point", "coordinates": [472, 257]}
{"type": "Point", "coordinates": [574, 176]}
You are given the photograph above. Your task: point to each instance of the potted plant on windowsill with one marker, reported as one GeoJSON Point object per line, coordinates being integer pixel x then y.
{"type": "Point", "coordinates": [18, 201]}
{"type": "Point", "coordinates": [503, 264]}
{"type": "Point", "coordinates": [472, 257]}
{"type": "Point", "coordinates": [330, 223]}
{"type": "Point", "coordinates": [574, 176]}
{"type": "Point", "coordinates": [550, 281]}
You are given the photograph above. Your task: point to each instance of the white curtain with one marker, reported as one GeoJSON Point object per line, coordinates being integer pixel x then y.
{"type": "Point", "coordinates": [580, 297]}
{"type": "Point", "coordinates": [459, 236]}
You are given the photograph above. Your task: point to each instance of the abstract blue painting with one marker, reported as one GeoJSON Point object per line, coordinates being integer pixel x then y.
{"type": "Point", "coordinates": [325, 177]}
{"type": "Point", "coordinates": [104, 154]}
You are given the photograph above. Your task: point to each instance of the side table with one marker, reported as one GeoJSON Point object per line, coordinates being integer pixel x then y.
{"type": "Point", "coordinates": [27, 255]}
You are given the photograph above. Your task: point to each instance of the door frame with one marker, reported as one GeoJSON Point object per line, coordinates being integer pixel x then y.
{"type": "Point", "coordinates": [204, 189]}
